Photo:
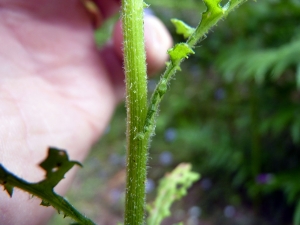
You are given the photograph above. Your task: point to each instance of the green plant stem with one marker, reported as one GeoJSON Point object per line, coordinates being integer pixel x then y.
{"type": "Point", "coordinates": [136, 103]}
{"type": "Point", "coordinates": [140, 120]}
{"type": "Point", "coordinates": [209, 20]}
{"type": "Point", "coordinates": [43, 191]}
{"type": "Point", "coordinates": [210, 17]}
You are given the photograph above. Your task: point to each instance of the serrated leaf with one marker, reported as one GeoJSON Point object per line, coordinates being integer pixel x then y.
{"type": "Point", "coordinates": [182, 28]}
{"type": "Point", "coordinates": [45, 203]}
{"type": "Point", "coordinates": [213, 7]}
{"type": "Point", "coordinates": [179, 52]}
{"type": "Point", "coordinates": [212, 12]}
{"type": "Point", "coordinates": [296, 219]}
{"type": "Point", "coordinates": [9, 189]}
{"type": "Point", "coordinates": [56, 165]}
{"type": "Point", "coordinates": [3, 180]}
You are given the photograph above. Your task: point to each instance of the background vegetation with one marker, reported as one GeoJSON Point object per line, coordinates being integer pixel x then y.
{"type": "Point", "coordinates": [233, 112]}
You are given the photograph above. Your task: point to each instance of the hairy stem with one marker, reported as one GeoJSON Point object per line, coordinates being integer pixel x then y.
{"type": "Point", "coordinates": [210, 17]}
{"type": "Point", "coordinates": [136, 103]}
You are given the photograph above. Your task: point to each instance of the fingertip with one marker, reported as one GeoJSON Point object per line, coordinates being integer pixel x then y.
{"type": "Point", "coordinates": [158, 41]}
{"type": "Point", "coordinates": [114, 66]}
{"type": "Point", "coordinates": [108, 7]}
{"type": "Point", "coordinates": [118, 39]}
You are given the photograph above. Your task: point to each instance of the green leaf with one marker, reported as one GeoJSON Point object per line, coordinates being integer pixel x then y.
{"type": "Point", "coordinates": [257, 64]}
{"type": "Point", "coordinates": [172, 187]}
{"type": "Point", "coordinates": [9, 189]}
{"type": "Point", "coordinates": [213, 10]}
{"type": "Point", "coordinates": [295, 129]}
{"type": "Point", "coordinates": [3, 180]}
{"type": "Point", "coordinates": [296, 220]}
{"type": "Point", "coordinates": [298, 76]}
{"type": "Point", "coordinates": [56, 165]}
{"type": "Point", "coordinates": [179, 52]}
{"type": "Point", "coordinates": [45, 203]}
{"type": "Point", "coordinates": [182, 28]}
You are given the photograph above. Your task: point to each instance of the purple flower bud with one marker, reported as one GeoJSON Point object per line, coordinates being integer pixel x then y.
{"type": "Point", "coordinates": [264, 178]}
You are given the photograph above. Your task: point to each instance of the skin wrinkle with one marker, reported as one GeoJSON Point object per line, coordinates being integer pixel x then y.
{"type": "Point", "coordinates": [73, 97]}
{"type": "Point", "coordinates": [10, 60]}
{"type": "Point", "coordinates": [24, 152]}
{"type": "Point", "coordinates": [25, 128]}
{"type": "Point", "coordinates": [45, 9]}
{"type": "Point", "coordinates": [8, 55]}
{"type": "Point", "coordinates": [91, 118]}
{"type": "Point", "coordinates": [72, 105]}
{"type": "Point", "coordinates": [7, 158]}
{"type": "Point", "coordinates": [17, 27]}
{"type": "Point", "coordinates": [84, 113]}
{"type": "Point", "coordinates": [40, 66]}
{"type": "Point", "coordinates": [54, 66]}
{"type": "Point", "coordinates": [30, 58]}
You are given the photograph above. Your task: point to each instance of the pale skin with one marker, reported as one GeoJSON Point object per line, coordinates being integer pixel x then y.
{"type": "Point", "coordinates": [57, 89]}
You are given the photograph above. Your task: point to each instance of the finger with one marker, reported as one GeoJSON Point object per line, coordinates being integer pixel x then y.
{"type": "Point", "coordinates": [114, 67]}
{"type": "Point", "coordinates": [108, 7]}
{"type": "Point", "coordinates": [158, 41]}
{"type": "Point", "coordinates": [157, 38]}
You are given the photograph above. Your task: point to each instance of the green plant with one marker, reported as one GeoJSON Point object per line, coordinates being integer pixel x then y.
{"type": "Point", "coordinates": [56, 165]}
{"type": "Point", "coordinates": [172, 187]}
{"type": "Point", "coordinates": [141, 117]}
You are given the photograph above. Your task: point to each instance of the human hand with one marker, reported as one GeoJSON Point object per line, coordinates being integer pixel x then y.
{"type": "Point", "coordinates": [57, 89]}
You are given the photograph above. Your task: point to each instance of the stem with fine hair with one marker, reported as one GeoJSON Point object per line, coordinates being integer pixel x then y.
{"type": "Point", "coordinates": [136, 104]}
{"type": "Point", "coordinates": [140, 118]}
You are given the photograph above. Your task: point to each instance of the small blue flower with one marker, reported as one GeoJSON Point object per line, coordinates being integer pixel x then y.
{"type": "Point", "coordinates": [166, 158]}
{"type": "Point", "coordinates": [229, 211]}
{"type": "Point", "coordinates": [220, 94]}
{"type": "Point", "coordinates": [206, 184]}
{"type": "Point", "coordinates": [150, 185]}
{"type": "Point", "coordinates": [170, 134]}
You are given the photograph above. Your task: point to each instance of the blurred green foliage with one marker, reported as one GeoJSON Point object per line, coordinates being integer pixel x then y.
{"type": "Point", "coordinates": [234, 109]}
{"type": "Point", "coordinates": [172, 187]}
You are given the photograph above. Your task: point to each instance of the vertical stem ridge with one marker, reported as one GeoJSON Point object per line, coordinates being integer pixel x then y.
{"type": "Point", "coordinates": [136, 104]}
